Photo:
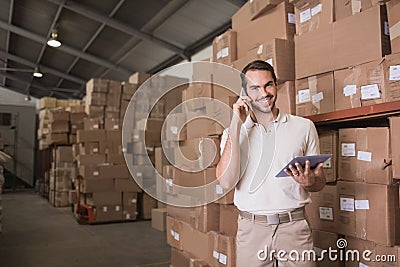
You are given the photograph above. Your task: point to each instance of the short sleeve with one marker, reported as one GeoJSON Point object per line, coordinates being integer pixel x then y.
{"type": "Point", "coordinates": [224, 139]}
{"type": "Point", "coordinates": [313, 141]}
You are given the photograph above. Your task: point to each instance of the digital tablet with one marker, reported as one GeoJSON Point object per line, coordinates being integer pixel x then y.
{"type": "Point", "coordinates": [314, 161]}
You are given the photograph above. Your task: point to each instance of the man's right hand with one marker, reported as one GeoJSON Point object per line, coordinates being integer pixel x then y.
{"type": "Point", "coordinates": [241, 108]}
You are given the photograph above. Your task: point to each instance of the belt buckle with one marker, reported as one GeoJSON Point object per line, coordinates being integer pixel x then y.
{"type": "Point", "coordinates": [273, 219]}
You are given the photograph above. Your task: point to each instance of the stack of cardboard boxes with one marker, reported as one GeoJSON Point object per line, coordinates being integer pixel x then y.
{"type": "Point", "coordinates": [107, 184]}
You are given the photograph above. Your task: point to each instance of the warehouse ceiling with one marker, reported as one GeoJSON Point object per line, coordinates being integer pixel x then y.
{"type": "Point", "coordinates": [108, 39]}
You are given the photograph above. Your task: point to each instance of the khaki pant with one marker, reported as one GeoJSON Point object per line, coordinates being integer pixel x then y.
{"type": "Point", "coordinates": [256, 240]}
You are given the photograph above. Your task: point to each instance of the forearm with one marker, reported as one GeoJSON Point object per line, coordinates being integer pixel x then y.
{"type": "Point", "coordinates": [228, 167]}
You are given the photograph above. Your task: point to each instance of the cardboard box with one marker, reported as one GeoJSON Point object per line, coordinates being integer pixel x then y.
{"type": "Point", "coordinates": [93, 123]}
{"type": "Point", "coordinates": [315, 95]}
{"type": "Point", "coordinates": [47, 102]}
{"type": "Point", "coordinates": [63, 154]}
{"type": "Point", "coordinates": [97, 85]}
{"type": "Point", "coordinates": [221, 109]}
{"type": "Point", "coordinates": [313, 14]}
{"type": "Point", "coordinates": [395, 145]}
{"type": "Point", "coordinates": [59, 127]}
{"type": "Point", "coordinates": [202, 127]}
{"type": "Point", "coordinates": [228, 219]}
{"type": "Point", "coordinates": [114, 100]}
{"type": "Point", "coordinates": [89, 148]}
{"type": "Point", "coordinates": [224, 250]}
{"type": "Point", "coordinates": [322, 213]}
{"type": "Point", "coordinates": [158, 219]}
{"type": "Point", "coordinates": [114, 171]}
{"type": "Point", "coordinates": [90, 136]}
{"type": "Point", "coordinates": [108, 213]}
{"type": "Point", "coordinates": [391, 73]}
{"type": "Point", "coordinates": [198, 153]}
{"type": "Point", "coordinates": [77, 117]}
{"type": "Point", "coordinates": [310, 47]}
{"type": "Point", "coordinates": [393, 10]}
{"type": "Point", "coordinates": [91, 159]}
{"type": "Point", "coordinates": [329, 144]}
{"type": "Point", "coordinates": [350, 32]}
{"type": "Point", "coordinates": [128, 90]}
{"type": "Point", "coordinates": [252, 10]}
{"type": "Point", "coordinates": [129, 198]}
{"type": "Point", "coordinates": [202, 218]}
{"type": "Point", "coordinates": [173, 124]}
{"type": "Point", "coordinates": [377, 253]}
{"type": "Point", "coordinates": [75, 127]}
{"type": "Point", "coordinates": [89, 171]}
{"type": "Point", "coordinates": [174, 232]}
{"type": "Point", "coordinates": [96, 99]}
{"type": "Point", "coordinates": [362, 206]}
{"type": "Point", "coordinates": [277, 52]}
{"type": "Point", "coordinates": [224, 48]}
{"type": "Point", "coordinates": [139, 78]}
{"type": "Point", "coordinates": [254, 33]}
{"type": "Point", "coordinates": [57, 138]}
{"type": "Point", "coordinates": [58, 114]}
{"type": "Point", "coordinates": [184, 259]}
{"type": "Point", "coordinates": [130, 213]}
{"type": "Point", "coordinates": [322, 242]}
{"type": "Point", "coordinates": [193, 93]}
{"type": "Point", "coordinates": [227, 198]}
{"type": "Point", "coordinates": [72, 197]}
{"type": "Point", "coordinates": [126, 184]}
{"type": "Point", "coordinates": [344, 9]}
{"type": "Point", "coordinates": [90, 185]}
{"type": "Point", "coordinates": [286, 100]}
{"type": "Point", "coordinates": [116, 159]}
{"type": "Point", "coordinates": [364, 155]}
{"type": "Point", "coordinates": [193, 179]}
{"type": "Point", "coordinates": [197, 243]}
{"type": "Point", "coordinates": [361, 85]}
{"type": "Point", "coordinates": [111, 124]}
{"type": "Point", "coordinates": [106, 198]}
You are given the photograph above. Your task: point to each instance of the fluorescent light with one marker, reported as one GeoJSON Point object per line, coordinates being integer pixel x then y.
{"type": "Point", "coordinates": [53, 42]}
{"type": "Point", "coordinates": [36, 73]}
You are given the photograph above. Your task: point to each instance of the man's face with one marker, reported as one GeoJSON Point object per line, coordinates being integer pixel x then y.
{"type": "Point", "coordinates": [261, 88]}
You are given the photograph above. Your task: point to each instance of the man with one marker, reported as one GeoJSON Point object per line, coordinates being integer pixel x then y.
{"type": "Point", "coordinates": [260, 141]}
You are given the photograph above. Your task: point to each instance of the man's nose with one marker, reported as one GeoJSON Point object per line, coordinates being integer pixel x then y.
{"type": "Point", "coordinates": [263, 91]}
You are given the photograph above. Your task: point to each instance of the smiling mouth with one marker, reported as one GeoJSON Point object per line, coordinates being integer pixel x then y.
{"type": "Point", "coordinates": [265, 100]}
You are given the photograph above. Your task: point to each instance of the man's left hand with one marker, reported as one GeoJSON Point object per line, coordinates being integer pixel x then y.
{"type": "Point", "coordinates": [312, 180]}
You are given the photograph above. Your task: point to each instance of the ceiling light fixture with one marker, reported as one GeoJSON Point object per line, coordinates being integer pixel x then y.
{"type": "Point", "coordinates": [36, 73]}
{"type": "Point", "coordinates": [53, 42]}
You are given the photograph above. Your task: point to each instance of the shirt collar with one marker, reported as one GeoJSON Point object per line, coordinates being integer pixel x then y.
{"type": "Point", "coordinates": [249, 123]}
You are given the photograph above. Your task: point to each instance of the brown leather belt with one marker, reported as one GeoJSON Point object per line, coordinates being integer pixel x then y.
{"type": "Point", "coordinates": [273, 219]}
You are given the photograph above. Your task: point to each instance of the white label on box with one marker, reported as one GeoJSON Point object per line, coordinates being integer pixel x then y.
{"type": "Point", "coordinates": [218, 189]}
{"type": "Point", "coordinates": [326, 213]}
{"type": "Point", "coordinates": [260, 49]}
{"type": "Point", "coordinates": [135, 137]}
{"type": "Point", "coordinates": [348, 149]}
{"type": "Point", "coordinates": [117, 208]}
{"type": "Point", "coordinates": [318, 97]}
{"type": "Point", "coordinates": [350, 90]}
{"type": "Point", "coordinates": [225, 52]}
{"type": "Point", "coordinates": [215, 254]}
{"type": "Point", "coordinates": [305, 15]}
{"type": "Point", "coordinates": [172, 232]}
{"type": "Point", "coordinates": [362, 204]}
{"type": "Point", "coordinates": [362, 265]}
{"type": "Point", "coordinates": [74, 126]}
{"type": "Point", "coordinates": [222, 258]}
{"type": "Point", "coordinates": [270, 62]}
{"type": "Point", "coordinates": [95, 150]}
{"type": "Point", "coordinates": [169, 182]}
{"type": "Point", "coordinates": [291, 18]}
{"type": "Point", "coordinates": [136, 213]}
{"type": "Point", "coordinates": [317, 9]}
{"type": "Point", "coordinates": [304, 96]}
{"type": "Point", "coordinates": [96, 126]}
{"type": "Point", "coordinates": [176, 236]}
{"type": "Point", "coordinates": [347, 204]}
{"type": "Point", "coordinates": [218, 54]}
{"type": "Point", "coordinates": [116, 126]}
{"type": "Point", "coordinates": [150, 148]}
{"type": "Point", "coordinates": [133, 200]}
{"type": "Point", "coordinates": [105, 208]}
{"type": "Point", "coordinates": [394, 73]}
{"type": "Point", "coordinates": [139, 174]}
{"type": "Point", "coordinates": [318, 251]}
{"type": "Point", "coordinates": [328, 163]}
{"type": "Point", "coordinates": [174, 129]}
{"type": "Point", "coordinates": [387, 32]}
{"type": "Point", "coordinates": [124, 149]}
{"type": "Point", "coordinates": [370, 91]}
{"type": "Point", "coordinates": [364, 156]}
{"type": "Point", "coordinates": [128, 216]}
{"type": "Point", "coordinates": [96, 173]}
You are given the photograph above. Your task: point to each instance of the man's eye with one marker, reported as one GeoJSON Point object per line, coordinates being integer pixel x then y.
{"type": "Point", "coordinates": [253, 88]}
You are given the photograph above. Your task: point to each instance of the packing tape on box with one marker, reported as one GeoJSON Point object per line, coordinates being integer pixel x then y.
{"type": "Point", "coordinates": [312, 85]}
{"type": "Point", "coordinates": [394, 31]}
{"type": "Point", "coordinates": [355, 6]}
{"type": "Point", "coordinates": [361, 214]}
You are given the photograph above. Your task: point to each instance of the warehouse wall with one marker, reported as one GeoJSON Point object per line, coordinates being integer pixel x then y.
{"type": "Point", "coordinates": [19, 140]}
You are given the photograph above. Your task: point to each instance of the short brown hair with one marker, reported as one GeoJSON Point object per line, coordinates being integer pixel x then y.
{"type": "Point", "coordinates": [256, 65]}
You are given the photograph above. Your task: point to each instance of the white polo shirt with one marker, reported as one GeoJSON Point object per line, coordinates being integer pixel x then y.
{"type": "Point", "coordinates": [293, 136]}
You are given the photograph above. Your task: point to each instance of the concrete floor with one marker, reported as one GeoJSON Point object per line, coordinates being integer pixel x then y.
{"type": "Point", "coordinates": [37, 234]}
